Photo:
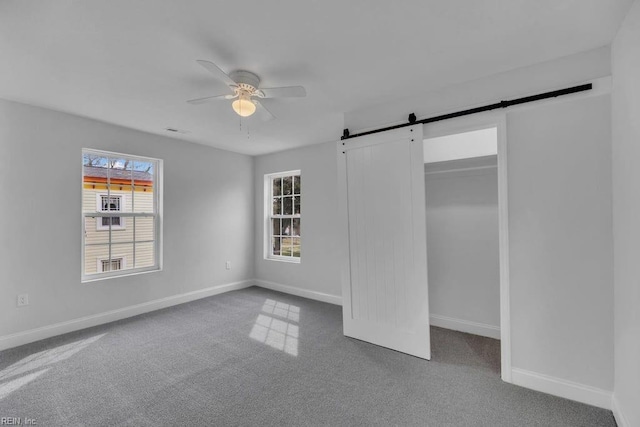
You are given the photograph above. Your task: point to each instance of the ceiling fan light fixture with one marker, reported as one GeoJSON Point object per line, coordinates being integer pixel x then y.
{"type": "Point", "coordinates": [245, 91]}
{"type": "Point", "coordinates": [243, 106]}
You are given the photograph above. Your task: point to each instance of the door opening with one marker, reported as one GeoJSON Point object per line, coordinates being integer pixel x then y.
{"type": "Point", "coordinates": [465, 244]}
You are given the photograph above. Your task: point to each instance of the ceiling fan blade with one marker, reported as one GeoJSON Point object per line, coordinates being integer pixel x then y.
{"type": "Point", "coordinates": [210, 98]}
{"type": "Point", "coordinates": [284, 92]}
{"type": "Point", "coordinates": [217, 73]}
{"type": "Point", "coordinates": [262, 111]}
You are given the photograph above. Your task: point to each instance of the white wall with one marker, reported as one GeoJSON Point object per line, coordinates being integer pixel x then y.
{"type": "Point", "coordinates": [462, 244]}
{"type": "Point", "coordinates": [560, 230]}
{"type": "Point", "coordinates": [559, 155]}
{"type": "Point", "coordinates": [542, 77]}
{"type": "Point", "coordinates": [465, 145]}
{"type": "Point", "coordinates": [208, 217]}
{"type": "Point", "coordinates": [626, 215]}
{"type": "Point", "coordinates": [317, 274]}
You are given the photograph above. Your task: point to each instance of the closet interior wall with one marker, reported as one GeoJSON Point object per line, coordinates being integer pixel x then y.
{"type": "Point", "coordinates": [463, 244]}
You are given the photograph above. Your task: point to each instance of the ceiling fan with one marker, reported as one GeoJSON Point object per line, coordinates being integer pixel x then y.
{"type": "Point", "coordinates": [245, 91]}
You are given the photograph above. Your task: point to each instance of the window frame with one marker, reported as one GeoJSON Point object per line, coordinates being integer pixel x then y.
{"type": "Point", "coordinates": [268, 216]}
{"type": "Point", "coordinates": [157, 222]}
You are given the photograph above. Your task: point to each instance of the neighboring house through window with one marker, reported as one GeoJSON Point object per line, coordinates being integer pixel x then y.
{"type": "Point", "coordinates": [110, 203]}
{"type": "Point", "coordinates": [121, 214]}
{"type": "Point", "coordinates": [115, 264]}
{"type": "Point", "coordinates": [283, 215]}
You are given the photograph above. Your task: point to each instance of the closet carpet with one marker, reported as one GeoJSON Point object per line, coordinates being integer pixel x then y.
{"type": "Point", "coordinates": [258, 357]}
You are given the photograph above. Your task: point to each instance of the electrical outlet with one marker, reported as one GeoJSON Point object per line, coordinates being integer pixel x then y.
{"type": "Point", "coordinates": [23, 299]}
{"type": "Point", "coordinates": [228, 265]}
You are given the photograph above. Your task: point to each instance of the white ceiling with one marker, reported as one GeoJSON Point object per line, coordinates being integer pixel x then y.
{"type": "Point", "coordinates": [132, 63]}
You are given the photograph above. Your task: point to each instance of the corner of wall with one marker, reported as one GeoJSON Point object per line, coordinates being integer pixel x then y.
{"type": "Point", "coordinates": [562, 388]}
{"type": "Point", "coordinates": [621, 420]}
{"type": "Point", "coordinates": [625, 133]}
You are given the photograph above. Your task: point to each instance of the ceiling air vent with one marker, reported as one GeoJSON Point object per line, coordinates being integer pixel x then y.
{"type": "Point", "coordinates": [174, 130]}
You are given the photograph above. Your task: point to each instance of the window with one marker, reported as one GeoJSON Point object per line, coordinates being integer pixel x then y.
{"type": "Point", "coordinates": [108, 203]}
{"type": "Point", "coordinates": [121, 217]}
{"type": "Point", "coordinates": [283, 203]}
{"type": "Point", "coordinates": [115, 264]}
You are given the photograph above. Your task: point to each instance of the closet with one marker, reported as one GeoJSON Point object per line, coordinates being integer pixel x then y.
{"type": "Point", "coordinates": [462, 217]}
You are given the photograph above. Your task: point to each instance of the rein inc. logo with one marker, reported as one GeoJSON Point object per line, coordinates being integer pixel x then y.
{"type": "Point", "coordinates": [17, 421]}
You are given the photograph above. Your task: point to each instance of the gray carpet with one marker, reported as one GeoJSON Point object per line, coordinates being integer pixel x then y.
{"type": "Point", "coordinates": [257, 357]}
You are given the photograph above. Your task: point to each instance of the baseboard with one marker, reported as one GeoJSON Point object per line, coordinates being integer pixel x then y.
{"type": "Point", "coordinates": [621, 420]}
{"type": "Point", "coordinates": [467, 326]}
{"type": "Point", "coordinates": [318, 296]}
{"type": "Point", "coordinates": [26, 337]}
{"type": "Point", "coordinates": [562, 388]}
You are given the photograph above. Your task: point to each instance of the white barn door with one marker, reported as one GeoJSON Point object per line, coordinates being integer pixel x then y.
{"type": "Point", "coordinates": [384, 275]}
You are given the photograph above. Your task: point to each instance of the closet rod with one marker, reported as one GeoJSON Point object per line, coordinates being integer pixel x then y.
{"type": "Point", "coordinates": [501, 104]}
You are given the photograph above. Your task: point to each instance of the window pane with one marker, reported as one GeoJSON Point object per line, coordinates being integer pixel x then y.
{"type": "Point", "coordinates": [93, 256]}
{"type": "Point", "coordinates": [118, 168]}
{"type": "Point", "coordinates": [277, 226]}
{"type": "Point", "coordinates": [290, 246]}
{"type": "Point", "coordinates": [296, 227]}
{"type": "Point", "coordinates": [295, 243]}
{"type": "Point", "coordinates": [144, 167]}
{"type": "Point", "coordinates": [90, 159]}
{"type": "Point", "coordinates": [143, 187]}
{"type": "Point", "coordinates": [277, 206]}
{"type": "Point", "coordinates": [121, 229]}
{"type": "Point", "coordinates": [286, 226]}
{"type": "Point", "coordinates": [287, 205]}
{"type": "Point", "coordinates": [94, 180]}
{"type": "Point", "coordinates": [123, 251]}
{"type": "Point", "coordinates": [145, 228]}
{"type": "Point", "coordinates": [286, 246]}
{"type": "Point", "coordinates": [287, 185]}
{"type": "Point", "coordinates": [94, 160]}
{"type": "Point", "coordinates": [296, 184]}
{"type": "Point", "coordinates": [145, 255]}
{"type": "Point", "coordinates": [296, 205]}
{"type": "Point", "coordinates": [275, 245]}
{"type": "Point", "coordinates": [143, 200]}
{"type": "Point", "coordinates": [94, 232]}
{"type": "Point", "coordinates": [277, 186]}
{"type": "Point", "coordinates": [97, 258]}
{"type": "Point", "coordinates": [89, 191]}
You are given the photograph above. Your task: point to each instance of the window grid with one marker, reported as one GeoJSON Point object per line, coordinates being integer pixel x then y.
{"type": "Point", "coordinates": [125, 166]}
{"type": "Point", "coordinates": [285, 199]}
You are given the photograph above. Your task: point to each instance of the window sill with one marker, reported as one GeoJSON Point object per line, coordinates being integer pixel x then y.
{"type": "Point", "coordinates": [283, 259]}
{"type": "Point", "coordinates": [90, 279]}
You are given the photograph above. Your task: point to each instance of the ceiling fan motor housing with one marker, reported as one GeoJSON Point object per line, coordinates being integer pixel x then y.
{"type": "Point", "coordinates": [246, 93]}
{"type": "Point", "coordinates": [245, 80]}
